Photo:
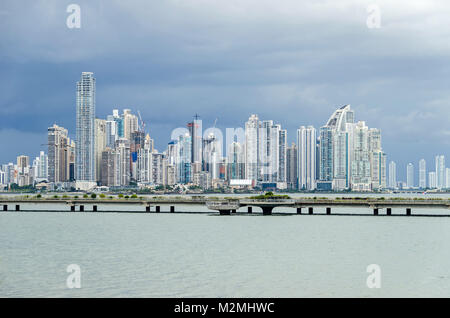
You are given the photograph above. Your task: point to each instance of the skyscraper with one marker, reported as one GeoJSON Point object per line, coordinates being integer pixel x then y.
{"type": "Point", "coordinates": [195, 131]}
{"type": "Point", "coordinates": [58, 154]}
{"type": "Point", "coordinates": [269, 150]}
{"type": "Point", "coordinates": [100, 145]}
{"type": "Point", "coordinates": [410, 175]}
{"type": "Point", "coordinates": [440, 171]}
{"type": "Point", "coordinates": [392, 175]}
{"type": "Point", "coordinates": [282, 155]}
{"type": "Point", "coordinates": [85, 129]}
{"type": "Point", "coordinates": [306, 141]}
{"type": "Point", "coordinates": [291, 166]}
{"type": "Point", "coordinates": [252, 148]}
{"type": "Point", "coordinates": [360, 165]}
{"type": "Point", "coordinates": [422, 174]}
{"type": "Point", "coordinates": [339, 124]}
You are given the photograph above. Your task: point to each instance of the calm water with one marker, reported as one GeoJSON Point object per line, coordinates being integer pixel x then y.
{"type": "Point", "coordinates": [205, 255]}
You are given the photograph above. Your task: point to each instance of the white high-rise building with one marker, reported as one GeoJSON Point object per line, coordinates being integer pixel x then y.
{"type": "Point", "coordinates": [269, 150]}
{"type": "Point", "coordinates": [440, 171]}
{"type": "Point", "coordinates": [432, 184]}
{"type": "Point", "coordinates": [282, 156]}
{"type": "Point", "coordinates": [341, 150]}
{"type": "Point", "coordinates": [447, 182]}
{"type": "Point", "coordinates": [360, 164]}
{"type": "Point", "coordinates": [100, 145]}
{"type": "Point", "coordinates": [377, 160]}
{"type": "Point", "coordinates": [422, 174]}
{"type": "Point", "coordinates": [252, 148]}
{"type": "Point", "coordinates": [85, 129]}
{"type": "Point", "coordinates": [306, 167]}
{"type": "Point", "coordinates": [392, 175]}
{"type": "Point", "coordinates": [410, 176]}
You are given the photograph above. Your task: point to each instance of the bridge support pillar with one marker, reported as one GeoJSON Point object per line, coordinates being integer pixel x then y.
{"type": "Point", "coordinates": [299, 210]}
{"type": "Point", "coordinates": [5, 207]}
{"type": "Point", "coordinates": [147, 208]}
{"type": "Point", "coordinates": [408, 211]}
{"type": "Point", "coordinates": [310, 210]}
{"type": "Point", "coordinates": [267, 210]}
{"type": "Point", "coordinates": [249, 209]}
{"type": "Point", "coordinates": [158, 208]}
{"type": "Point", "coordinates": [72, 208]}
{"type": "Point", "coordinates": [233, 211]}
{"type": "Point", "coordinates": [81, 208]}
{"type": "Point", "coordinates": [94, 208]}
{"type": "Point", "coordinates": [17, 207]}
{"type": "Point", "coordinates": [172, 208]}
{"type": "Point", "coordinates": [225, 212]}
{"type": "Point", "coordinates": [389, 211]}
{"type": "Point", "coordinates": [328, 211]}
{"type": "Point", "coordinates": [375, 211]}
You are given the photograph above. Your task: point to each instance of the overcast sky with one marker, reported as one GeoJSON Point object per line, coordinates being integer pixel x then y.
{"type": "Point", "coordinates": [291, 61]}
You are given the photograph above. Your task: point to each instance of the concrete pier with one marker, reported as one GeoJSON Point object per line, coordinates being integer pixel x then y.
{"type": "Point", "coordinates": [5, 207]}
{"type": "Point", "coordinates": [249, 209]}
{"type": "Point", "coordinates": [408, 211]}
{"type": "Point", "coordinates": [94, 208]}
{"type": "Point", "coordinates": [375, 211]}
{"type": "Point", "coordinates": [389, 211]}
{"type": "Point", "coordinates": [311, 210]}
{"type": "Point", "coordinates": [328, 210]}
{"type": "Point", "coordinates": [147, 208]}
{"type": "Point", "coordinates": [72, 208]}
{"type": "Point", "coordinates": [299, 210]}
{"type": "Point", "coordinates": [17, 207]}
{"type": "Point", "coordinates": [81, 208]}
{"type": "Point", "coordinates": [172, 208]}
{"type": "Point", "coordinates": [158, 208]}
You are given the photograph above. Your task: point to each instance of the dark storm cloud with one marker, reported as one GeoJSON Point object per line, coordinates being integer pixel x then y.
{"type": "Point", "coordinates": [290, 61]}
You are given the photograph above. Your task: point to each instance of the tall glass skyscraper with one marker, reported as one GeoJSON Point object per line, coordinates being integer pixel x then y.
{"type": "Point", "coordinates": [85, 129]}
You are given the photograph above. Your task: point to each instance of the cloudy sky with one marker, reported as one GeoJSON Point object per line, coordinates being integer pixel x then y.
{"type": "Point", "coordinates": [289, 60]}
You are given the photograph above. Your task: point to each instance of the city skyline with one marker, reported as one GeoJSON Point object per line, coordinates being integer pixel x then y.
{"type": "Point", "coordinates": [118, 151]}
{"type": "Point", "coordinates": [293, 81]}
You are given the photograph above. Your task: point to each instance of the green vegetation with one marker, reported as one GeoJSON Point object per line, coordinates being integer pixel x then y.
{"type": "Point", "coordinates": [270, 196]}
{"type": "Point", "coordinates": [93, 196]}
{"type": "Point", "coordinates": [134, 196]}
{"type": "Point", "coordinates": [120, 195]}
{"type": "Point", "coordinates": [102, 195]}
{"type": "Point", "coordinates": [85, 196]}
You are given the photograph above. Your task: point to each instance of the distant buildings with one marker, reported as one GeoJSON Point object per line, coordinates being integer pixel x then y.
{"type": "Point", "coordinates": [410, 176]}
{"type": "Point", "coordinates": [116, 151]}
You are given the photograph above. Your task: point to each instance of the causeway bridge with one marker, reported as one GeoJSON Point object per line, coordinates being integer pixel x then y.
{"type": "Point", "coordinates": [227, 206]}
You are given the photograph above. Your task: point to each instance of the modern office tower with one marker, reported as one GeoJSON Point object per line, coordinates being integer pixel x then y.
{"type": "Point", "coordinates": [269, 150]}
{"type": "Point", "coordinates": [130, 124]}
{"type": "Point", "coordinates": [440, 171]}
{"type": "Point", "coordinates": [337, 129]}
{"type": "Point", "coordinates": [235, 161]}
{"type": "Point", "coordinates": [252, 149]}
{"type": "Point", "coordinates": [110, 175]}
{"type": "Point", "coordinates": [144, 162]}
{"type": "Point", "coordinates": [432, 182]}
{"type": "Point", "coordinates": [392, 175]}
{"type": "Point", "coordinates": [100, 145]}
{"type": "Point", "coordinates": [291, 166]}
{"type": "Point", "coordinates": [40, 165]}
{"type": "Point", "coordinates": [23, 176]}
{"type": "Point", "coordinates": [212, 155]}
{"type": "Point", "coordinates": [377, 160]}
{"type": "Point", "coordinates": [422, 174]}
{"type": "Point", "coordinates": [360, 165]}
{"type": "Point", "coordinates": [111, 131]}
{"type": "Point", "coordinates": [23, 162]}
{"type": "Point", "coordinates": [123, 150]}
{"type": "Point", "coordinates": [306, 170]}
{"type": "Point", "coordinates": [157, 168]}
{"type": "Point", "coordinates": [58, 154]}
{"type": "Point", "coordinates": [184, 158]}
{"type": "Point", "coordinates": [85, 129]}
{"type": "Point", "coordinates": [325, 156]}
{"type": "Point", "coordinates": [138, 139]}
{"type": "Point", "coordinates": [196, 133]}
{"type": "Point", "coordinates": [447, 182]}
{"type": "Point", "coordinates": [282, 155]}
{"type": "Point", "coordinates": [410, 176]}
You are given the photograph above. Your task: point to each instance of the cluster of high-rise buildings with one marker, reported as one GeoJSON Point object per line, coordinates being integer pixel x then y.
{"type": "Point", "coordinates": [116, 152]}
{"type": "Point", "coordinates": [438, 177]}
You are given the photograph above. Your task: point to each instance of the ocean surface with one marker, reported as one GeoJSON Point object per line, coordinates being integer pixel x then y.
{"type": "Point", "coordinates": [207, 255]}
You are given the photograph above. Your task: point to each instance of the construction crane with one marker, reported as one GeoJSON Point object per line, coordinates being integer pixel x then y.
{"type": "Point", "coordinates": [142, 125]}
